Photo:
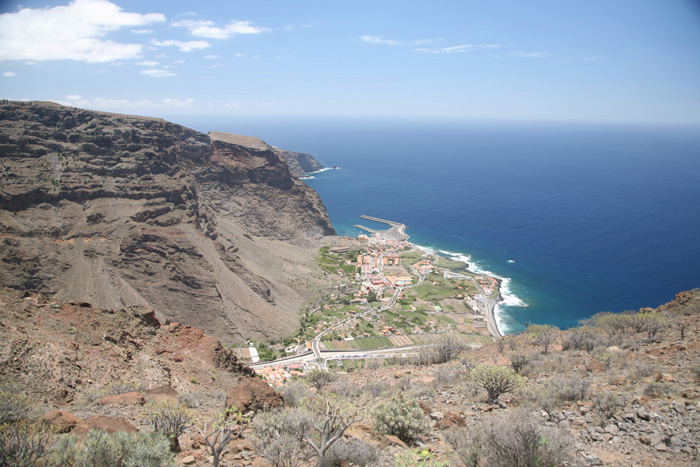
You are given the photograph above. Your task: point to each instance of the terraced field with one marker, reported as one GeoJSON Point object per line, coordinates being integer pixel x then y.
{"type": "Point", "coordinates": [383, 342]}
{"type": "Point", "coordinates": [374, 342]}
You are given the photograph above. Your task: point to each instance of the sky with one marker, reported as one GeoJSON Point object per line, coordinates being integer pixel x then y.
{"type": "Point", "coordinates": [592, 60]}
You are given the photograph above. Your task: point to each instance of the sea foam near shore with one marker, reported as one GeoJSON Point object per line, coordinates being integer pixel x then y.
{"type": "Point", "coordinates": [508, 298]}
{"type": "Point", "coordinates": [310, 176]}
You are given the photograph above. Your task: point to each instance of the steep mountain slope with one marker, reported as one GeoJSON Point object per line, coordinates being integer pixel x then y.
{"type": "Point", "coordinates": [120, 210]}
{"type": "Point", "coordinates": [299, 163]}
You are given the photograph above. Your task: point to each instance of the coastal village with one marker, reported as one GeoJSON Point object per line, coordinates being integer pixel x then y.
{"type": "Point", "coordinates": [391, 298]}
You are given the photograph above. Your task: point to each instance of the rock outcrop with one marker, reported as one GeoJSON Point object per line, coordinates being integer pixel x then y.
{"type": "Point", "coordinates": [253, 394]}
{"type": "Point", "coordinates": [61, 352]}
{"type": "Point", "coordinates": [119, 211]}
{"type": "Point", "coordinates": [298, 162]}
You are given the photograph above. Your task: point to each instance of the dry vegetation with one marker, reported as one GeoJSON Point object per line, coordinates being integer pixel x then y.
{"type": "Point", "coordinates": [620, 390]}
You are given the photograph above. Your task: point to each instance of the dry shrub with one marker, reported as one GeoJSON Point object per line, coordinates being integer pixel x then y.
{"type": "Point", "coordinates": [695, 370]}
{"type": "Point", "coordinates": [447, 348]}
{"type": "Point", "coordinates": [658, 389]}
{"type": "Point", "coordinates": [606, 406]}
{"type": "Point", "coordinates": [572, 388]}
{"type": "Point", "coordinates": [376, 388]}
{"type": "Point", "coordinates": [449, 373]}
{"type": "Point", "coordinates": [14, 405]}
{"type": "Point", "coordinates": [294, 392]}
{"type": "Point", "coordinates": [347, 390]}
{"type": "Point", "coordinates": [170, 420]}
{"type": "Point", "coordinates": [279, 436]}
{"type": "Point", "coordinates": [22, 445]}
{"type": "Point", "coordinates": [375, 363]}
{"type": "Point", "coordinates": [318, 378]}
{"type": "Point", "coordinates": [121, 387]}
{"type": "Point", "coordinates": [513, 439]}
{"type": "Point", "coordinates": [583, 338]}
{"type": "Point", "coordinates": [353, 452]}
{"type": "Point", "coordinates": [518, 361]}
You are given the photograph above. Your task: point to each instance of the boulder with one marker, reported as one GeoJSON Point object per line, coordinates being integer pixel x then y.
{"type": "Point", "coordinates": [61, 421]}
{"type": "Point", "coordinates": [161, 394]}
{"type": "Point", "coordinates": [252, 394]}
{"type": "Point", "coordinates": [101, 422]}
{"type": "Point", "coordinates": [391, 440]}
{"type": "Point", "coordinates": [451, 420]}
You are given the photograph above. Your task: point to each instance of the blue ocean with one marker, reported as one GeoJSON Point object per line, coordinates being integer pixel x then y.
{"type": "Point", "coordinates": [576, 218]}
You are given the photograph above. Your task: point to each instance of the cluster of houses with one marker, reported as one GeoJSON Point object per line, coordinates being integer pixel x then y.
{"type": "Point", "coordinates": [278, 376]}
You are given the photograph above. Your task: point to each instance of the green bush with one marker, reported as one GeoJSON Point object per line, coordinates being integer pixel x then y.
{"type": "Point", "coordinates": [401, 418]}
{"type": "Point", "coordinates": [14, 406]}
{"type": "Point", "coordinates": [21, 445]}
{"type": "Point", "coordinates": [170, 420]}
{"type": "Point", "coordinates": [101, 449]}
{"type": "Point", "coordinates": [543, 335]}
{"type": "Point", "coordinates": [496, 380]}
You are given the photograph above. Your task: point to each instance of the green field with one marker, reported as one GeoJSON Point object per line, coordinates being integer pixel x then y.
{"type": "Point", "coordinates": [411, 257]}
{"type": "Point", "coordinates": [374, 342]}
{"type": "Point", "coordinates": [450, 263]}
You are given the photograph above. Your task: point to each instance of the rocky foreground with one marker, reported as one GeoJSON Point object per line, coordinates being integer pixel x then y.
{"type": "Point", "coordinates": [621, 391]}
{"type": "Point", "coordinates": [214, 231]}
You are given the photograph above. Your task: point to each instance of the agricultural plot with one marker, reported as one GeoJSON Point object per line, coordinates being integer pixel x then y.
{"type": "Point", "coordinates": [478, 339]}
{"type": "Point", "coordinates": [374, 342]}
{"type": "Point", "coordinates": [400, 341]}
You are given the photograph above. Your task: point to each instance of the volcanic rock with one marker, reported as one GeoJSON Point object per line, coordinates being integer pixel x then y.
{"type": "Point", "coordinates": [116, 211]}
{"type": "Point", "coordinates": [61, 421]}
{"type": "Point", "coordinates": [253, 394]}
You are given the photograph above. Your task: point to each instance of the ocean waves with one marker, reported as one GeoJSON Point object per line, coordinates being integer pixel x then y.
{"type": "Point", "coordinates": [508, 297]}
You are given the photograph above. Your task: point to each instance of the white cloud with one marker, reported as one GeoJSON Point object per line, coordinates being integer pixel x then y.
{"type": "Point", "coordinates": [593, 58]}
{"type": "Point", "coordinates": [104, 103]}
{"type": "Point", "coordinates": [294, 27]}
{"type": "Point", "coordinates": [148, 63]}
{"type": "Point", "coordinates": [9, 74]}
{"type": "Point", "coordinates": [73, 32]}
{"type": "Point", "coordinates": [381, 40]}
{"type": "Point", "coordinates": [202, 28]}
{"type": "Point", "coordinates": [157, 73]}
{"type": "Point", "coordinates": [142, 31]}
{"type": "Point", "coordinates": [456, 49]}
{"type": "Point", "coordinates": [211, 57]}
{"type": "Point", "coordinates": [520, 53]}
{"type": "Point", "coordinates": [187, 46]}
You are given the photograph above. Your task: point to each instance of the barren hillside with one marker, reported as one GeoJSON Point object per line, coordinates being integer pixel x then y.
{"type": "Point", "coordinates": [120, 210]}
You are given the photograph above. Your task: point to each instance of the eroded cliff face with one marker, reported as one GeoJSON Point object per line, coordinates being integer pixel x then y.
{"type": "Point", "coordinates": [119, 210]}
